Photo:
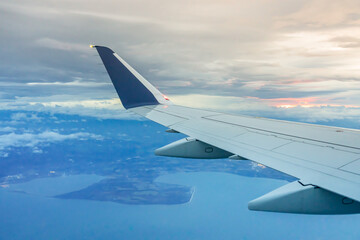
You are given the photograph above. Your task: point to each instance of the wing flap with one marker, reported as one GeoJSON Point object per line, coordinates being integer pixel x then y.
{"type": "Point", "coordinates": [262, 140]}
{"type": "Point", "coordinates": [353, 167]}
{"type": "Point", "coordinates": [323, 155]}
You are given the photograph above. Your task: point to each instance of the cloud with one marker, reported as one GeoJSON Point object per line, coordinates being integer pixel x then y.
{"type": "Point", "coordinates": [320, 14]}
{"type": "Point", "coordinates": [173, 26]}
{"type": "Point", "coordinates": [264, 108]}
{"type": "Point", "coordinates": [7, 129]}
{"type": "Point", "coordinates": [347, 42]}
{"type": "Point", "coordinates": [59, 45]}
{"type": "Point", "coordinates": [35, 140]}
{"type": "Point", "coordinates": [25, 117]}
{"type": "Point", "coordinates": [73, 83]}
{"type": "Point", "coordinates": [276, 53]}
{"type": "Point", "coordinates": [301, 109]}
{"type": "Point", "coordinates": [102, 108]}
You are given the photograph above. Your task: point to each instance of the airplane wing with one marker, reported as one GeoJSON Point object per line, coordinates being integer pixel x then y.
{"type": "Point", "coordinates": [326, 160]}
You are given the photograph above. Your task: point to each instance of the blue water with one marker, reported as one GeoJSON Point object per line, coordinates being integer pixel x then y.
{"type": "Point", "coordinates": [218, 210]}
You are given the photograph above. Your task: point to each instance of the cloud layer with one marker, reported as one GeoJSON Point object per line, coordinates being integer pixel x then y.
{"type": "Point", "coordinates": [275, 53]}
{"type": "Point", "coordinates": [34, 140]}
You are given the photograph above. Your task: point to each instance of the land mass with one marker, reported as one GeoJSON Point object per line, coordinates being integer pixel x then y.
{"type": "Point", "coordinates": [123, 154]}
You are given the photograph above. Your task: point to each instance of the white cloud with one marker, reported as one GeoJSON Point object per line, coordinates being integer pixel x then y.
{"type": "Point", "coordinates": [278, 108]}
{"type": "Point", "coordinates": [320, 14]}
{"type": "Point", "coordinates": [7, 129]}
{"type": "Point", "coordinates": [59, 45]}
{"type": "Point", "coordinates": [37, 150]}
{"type": "Point", "coordinates": [260, 107]}
{"type": "Point", "coordinates": [173, 26]}
{"type": "Point", "coordinates": [4, 154]}
{"type": "Point", "coordinates": [25, 117]}
{"type": "Point", "coordinates": [72, 83]}
{"type": "Point", "coordinates": [103, 108]}
{"type": "Point", "coordinates": [34, 140]}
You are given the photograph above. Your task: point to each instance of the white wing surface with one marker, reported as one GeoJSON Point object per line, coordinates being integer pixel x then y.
{"type": "Point", "coordinates": [326, 160]}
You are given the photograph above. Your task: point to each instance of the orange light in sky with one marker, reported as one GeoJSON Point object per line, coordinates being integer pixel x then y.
{"type": "Point", "coordinates": [303, 102]}
{"type": "Point", "coordinates": [293, 102]}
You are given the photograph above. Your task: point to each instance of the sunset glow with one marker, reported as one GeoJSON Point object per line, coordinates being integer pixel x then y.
{"type": "Point", "coordinates": [302, 102]}
{"type": "Point", "coordinates": [292, 102]}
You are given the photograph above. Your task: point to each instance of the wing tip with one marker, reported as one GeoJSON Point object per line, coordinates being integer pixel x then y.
{"type": "Point", "coordinates": [133, 90]}
{"type": "Point", "coordinates": [101, 47]}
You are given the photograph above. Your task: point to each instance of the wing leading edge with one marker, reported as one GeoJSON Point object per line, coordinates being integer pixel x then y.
{"type": "Point", "coordinates": [325, 159]}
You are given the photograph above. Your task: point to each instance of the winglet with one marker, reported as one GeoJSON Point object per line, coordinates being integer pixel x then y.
{"type": "Point", "coordinates": [132, 88]}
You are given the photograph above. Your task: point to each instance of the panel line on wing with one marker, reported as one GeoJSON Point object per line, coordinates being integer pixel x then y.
{"type": "Point", "coordinates": [288, 135]}
{"type": "Point", "coordinates": [236, 149]}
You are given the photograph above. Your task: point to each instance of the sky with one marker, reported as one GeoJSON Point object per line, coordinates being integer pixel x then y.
{"type": "Point", "coordinates": [295, 58]}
